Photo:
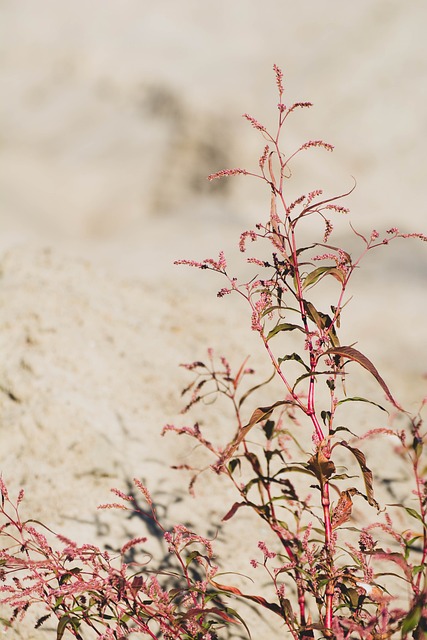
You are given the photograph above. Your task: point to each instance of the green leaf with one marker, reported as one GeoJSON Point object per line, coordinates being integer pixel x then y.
{"type": "Point", "coordinates": [313, 314]}
{"type": "Point", "coordinates": [322, 321]}
{"type": "Point", "coordinates": [235, 462]}
{"type": "Point", "coordinates": [359, 399]}
{"type": "Point", "coordinates": [418, 569]}
{"type": "Point", "coordinates": [62, 624]}
{"type": "Point", "coordinates": [296, 357]}
{"type": "Point", "coordinates": [412, 619]}
{"type": "Point", "coordinates": [416, 515]}
{"type": "Point", "coordinates": [320, 273]}
{"type": "Point", "coordinates": [283, 326]}
{"type": "Point", "coordinates": [236, 615]}
{"type": "Point", "coordinates": [191, 556]}
{"type": "Point", "coordinates": [346, 429]}
{"type": "Point", "coordinates": [357, 356]}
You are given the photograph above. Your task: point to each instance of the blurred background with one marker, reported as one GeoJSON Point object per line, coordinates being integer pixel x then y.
{"type": "Point", "coordinates": [114, 112]}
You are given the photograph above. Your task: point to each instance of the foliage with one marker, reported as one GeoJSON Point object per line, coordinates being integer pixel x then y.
{"type": "Point", "coordinates": [333, 576]}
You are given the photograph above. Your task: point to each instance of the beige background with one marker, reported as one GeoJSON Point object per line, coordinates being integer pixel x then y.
{"type": "Point", "coordinates": [112, 115]}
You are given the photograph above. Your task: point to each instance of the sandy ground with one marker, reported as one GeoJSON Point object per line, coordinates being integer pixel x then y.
{"type": "Point", "coordinates": [112, 115]}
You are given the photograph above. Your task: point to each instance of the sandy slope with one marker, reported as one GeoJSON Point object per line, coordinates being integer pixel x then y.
{"type": "Point", "coordinates": [112, 115]}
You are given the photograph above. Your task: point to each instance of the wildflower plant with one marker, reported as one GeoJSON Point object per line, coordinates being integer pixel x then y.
{"type": "Point", "coordinates": [338, 565]}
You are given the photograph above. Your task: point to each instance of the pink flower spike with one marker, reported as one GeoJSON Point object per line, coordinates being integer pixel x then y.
{"type": "Point", "coordinates": [3, 489]}
{"type": "Point", "coordinates": [279, 78]}
{"type": "Point", "coordinates": [244, 236]}
{"type": "Point", "coordinates": [226, 173]}
{"type": "Point", "coordinates": [132, 543]}
{"type": "Point", "coordinates": [191, 263]}
{"type": "Point", "coordinates": [256, 125]}
{"type": "Point", "coordinates": [421, 236]}
{"type": "Point", "coordinates": [112, 505]}
{"type": "Point", "coordinates": [300, 105]}
{"type": "Point", "coordinates": [122, 495]}
{"type": "Point", "coordinates": [317, 143]}
{"type": "Point", "coordinates": [265, 551]}
{"type": "Point", "coordinates": [263, 158]}
{"type": "Point", "coordinates": [143, 490]}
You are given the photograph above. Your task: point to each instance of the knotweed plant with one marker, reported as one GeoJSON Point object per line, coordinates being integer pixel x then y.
{"type": "Point", "coordinates": [338, 565]}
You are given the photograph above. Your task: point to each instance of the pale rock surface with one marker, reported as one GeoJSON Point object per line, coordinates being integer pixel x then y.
{"type": "Point", "coordinates": [112, 114]}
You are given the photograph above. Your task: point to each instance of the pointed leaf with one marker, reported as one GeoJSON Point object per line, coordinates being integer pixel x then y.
{"type": "Point", "coordinates": [320, 273]}
{"type": "Point", "coordinates": [258, 386]}
{"type": "Point", "coordinates": [254, 462]}
{"type": "Point", "coordinates": [233, 510]}
{"type": "Point", "coordinates": [313, 314]}
{"type": "Point", "coordinates": [191, 556]}
{"type": "Point", "coordinates": [322, 321]}
{"type": "Point", "coordinates": [412, 619]}
{"type": "Point", "coordinates": [357, 356]}
{"type": "Point", "coordinates": [283, 326]}
{"type": "Point", "coordinates": [260, 414]}
{"type": "Point", "coordinates": [235, 462]}
{"type": "Point", "coordinates": [296, 357]}
{"type": "Point", "coordinates": [62, 624]}
{"type": "Point", "coordinates": [415, 515]}
{"type": "Point", "coordinates": [366, 472]}
{"type": "Point", "coordinates": [238, 617]}
{"type": "Point", "coordinates": [259, 599]}
{"type": "Point", "coordinates": [359, 399]}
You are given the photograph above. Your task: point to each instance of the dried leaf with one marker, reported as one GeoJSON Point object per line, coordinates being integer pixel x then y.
{"type": "Point", "coordinates": [366, 472]}
{"type": "Point", "coordinates": [260, 414]}
{"type": "Point", "coordinates": [342, 511]}
{"type": "Point", "coordinates": [321, 466]}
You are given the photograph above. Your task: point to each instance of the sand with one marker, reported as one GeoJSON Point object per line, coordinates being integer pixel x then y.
{"type": "Point", "coordinates": [112, 116]}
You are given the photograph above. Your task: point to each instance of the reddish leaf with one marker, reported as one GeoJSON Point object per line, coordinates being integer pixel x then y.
{"type": "Point", "coordinates": [354, 354]}
{"type": "Point", "coordinates": [321, 467]}
{"type": "Point", "coordinates": [268, 605]}
{"type": "Point", "coordinates": [233, 510]}
{"type": "Point", "coordinates": [366, 472]}
{"type": "Point", "coordinates": [260, 414]}
{"type": "Point", "coordinates": [137, 584]}
{"type": "Point", "coordinates": [342, 511]}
